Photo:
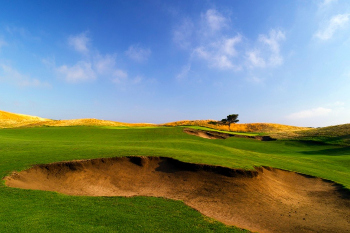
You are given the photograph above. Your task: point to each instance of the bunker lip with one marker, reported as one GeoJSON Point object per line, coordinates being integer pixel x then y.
{"type": "Point", "coordinates": [219, 135]}
{"type": "Point", "coordinates": [264, 199]}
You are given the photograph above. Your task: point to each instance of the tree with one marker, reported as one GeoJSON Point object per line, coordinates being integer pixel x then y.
{"type": "Point", "coordinates": [230, 119]}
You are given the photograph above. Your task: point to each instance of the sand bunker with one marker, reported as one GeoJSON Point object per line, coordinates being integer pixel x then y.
{"type": "Point", "coordinates": [263, 200]}
{"type": "Point", "coordinates": [219, 135]}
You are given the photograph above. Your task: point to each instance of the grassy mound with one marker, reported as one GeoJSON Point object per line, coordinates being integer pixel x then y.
{"type": "Point", "coordinates": [9, 120]}
{"type": "Point", "coordinates": [338, 134]}
{"type": "Point", "coordinates": [249, 127]}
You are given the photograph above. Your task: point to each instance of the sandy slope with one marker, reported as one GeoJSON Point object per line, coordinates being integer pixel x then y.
{"type": "Point", "coordinates": [13, 120]}
{"type": "Point", "coordinates": [263, 200]}
{"type": "Point", "coordinates": [8, 120]}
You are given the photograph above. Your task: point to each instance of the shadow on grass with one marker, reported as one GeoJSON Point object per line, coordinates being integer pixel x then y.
{"type": "Point", "coordinates": [331, 152]}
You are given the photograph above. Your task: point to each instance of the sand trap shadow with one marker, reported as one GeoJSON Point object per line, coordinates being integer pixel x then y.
{"type": "Point", "coordinates": [263, 200]}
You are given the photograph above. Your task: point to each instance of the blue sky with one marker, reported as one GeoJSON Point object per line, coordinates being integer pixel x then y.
{"type": "Point", "coordinates": [156, 61]}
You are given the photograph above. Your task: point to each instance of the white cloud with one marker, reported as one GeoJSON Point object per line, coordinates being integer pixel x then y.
{"type": "Point", "coordinates": [80, 72]}
{"type": "Point", "coordinates": [228, 45]}
{"type": "Point", "coordinates": [214, 20]}
{"type": "Point", "coordinates": [326, 3]}
{"type": "Point", "coordinates": [184, 72]}
{"type": "Point", "coordinates": [267, 53]}
{"type": "Point", "coordinates": [183, 33]}
{"type": "Point", "coordinates": [254, 79]}
{"type": "Point", "coordinates": [33, 83]}
{"type": "Point", "coordinates": [275, 36]}
{"type": "Point", "coordinates": [138, 79]}
{"type": "Point", "coordinates": [79, 42]}
{"type": "Point", "coordinates": [13, 76]}
{"type": "Point", "coordinates": [104, 64]}
{"type": "Point", "coordinates": [119, 76]}
{"type": "Point", "coordinates": [2, 43]}
{"type": "Point", "coordinates": [219, 53]}
{"type": "Point", "coordinates": [24, 33]}
{"type": "Point", "coordinates": [311, 113]}
{"type": "Point", "coordinates": [137, 53]}
{"type": "Point", "coordinates": [255, 60]}
{"type": "Point", "coordinates": [213, 40]}
{"type": "Point", "coordinates": [91, 67]}
{"type": "Point", "coordinates": [339, 103]}
{"type": "Point", "coordinates": [273, 41]}
{"type": "Point", "coordinates": [336, 23]}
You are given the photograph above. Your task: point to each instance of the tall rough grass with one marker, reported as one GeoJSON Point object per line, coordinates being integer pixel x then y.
{"type": "Point", "coordinates": [249, 127]}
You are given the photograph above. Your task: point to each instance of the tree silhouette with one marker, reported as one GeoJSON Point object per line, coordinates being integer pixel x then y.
{"type": "Point", "coordinates": [230, 119]}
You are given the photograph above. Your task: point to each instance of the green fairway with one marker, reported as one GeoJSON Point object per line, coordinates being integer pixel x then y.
{"type": "Point", "coordinates": [40, 211]}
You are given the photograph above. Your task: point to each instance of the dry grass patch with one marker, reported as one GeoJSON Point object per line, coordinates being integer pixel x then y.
{"type": "Point", "coordinates": [9, 120]}
{"type": "Point", "coordinates": [87, 122]}
{"type": "Point", "coordinates": [249, 127]}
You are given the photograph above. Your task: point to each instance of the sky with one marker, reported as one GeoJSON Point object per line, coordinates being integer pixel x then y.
{"type": "Point", "coordinates": [158, 61]}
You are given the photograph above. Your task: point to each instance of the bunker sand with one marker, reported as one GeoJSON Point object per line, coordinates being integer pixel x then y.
{"type": "Point", "coordinates": [263, 200]}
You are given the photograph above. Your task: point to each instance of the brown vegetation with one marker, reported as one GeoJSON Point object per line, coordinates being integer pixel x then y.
{"type": "Point", "coordinates": [264, 200]}
{"type": "Point", "coordinates": [337, 134]}
{"type": "Point", "coordinates": [13, 120]}
{"type": "Point", "coordinates": [8, 120]}
{"type": "Point", "coordinates": [249, 127]}
{"type": "Point", "coordinates": [85, 122]}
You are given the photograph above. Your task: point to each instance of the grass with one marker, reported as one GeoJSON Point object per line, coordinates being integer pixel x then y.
{"type": "Point", "coordinates": [39, 211]}
{"type": "Point", "coordinates": [334, 135]}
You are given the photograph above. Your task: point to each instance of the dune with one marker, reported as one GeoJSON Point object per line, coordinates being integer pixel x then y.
{"type": "Point", "coordinates": [14, 120]}
{"type": "Point", "coordinates": [245, 127]}
{"type": "Point", "coordinates": [10, 120]}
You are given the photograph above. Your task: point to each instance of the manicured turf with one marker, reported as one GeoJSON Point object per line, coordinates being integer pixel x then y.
{"type": "Point", "coordinates": [39, 211]}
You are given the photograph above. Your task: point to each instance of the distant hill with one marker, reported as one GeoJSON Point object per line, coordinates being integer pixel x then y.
{"type": "Point", "coordinates": [14, 120]}
{"type": "Point", "coordinates": [86, 122]}
{"type": "Point", "coordinates": [337, 134]}
{"type": "Point", "coordinates": [9, 120]}
{"type": "Point", "coordinates": [249, 127]}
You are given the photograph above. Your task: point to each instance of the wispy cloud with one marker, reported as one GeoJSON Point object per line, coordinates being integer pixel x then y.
{"type": "Point", "coordinates": [214, 46]}
{"type": "Point", "coordinates": [120, 76]}
{"type": "Point", "coordinates": [184, 72]}
{"type": "Point", "coordinates": [326, 3]}
{"type": "Point", "coordinates": [2, 43]}
{"type": "Point", "coordinates": [254, 59]}
{"type": "Point", "coordinates": [311, 113]}
{"type": "Point", "coordinates": [80, 72]}
{"type": "Point", "coordinates": [10, 75]}
{"type": "Point", "coordinates": [182, 34]}
{"type": "Point", "coordinates": [136, 53]}
{"type": "Point", "coordinates": [88, 68]}
{"type": "Point", "coordinates": [213, 40]}
{"type": "Point", "coordinates": [267, 52]}
{"type": "Point", "coordinates": [336, 23]}
{"type": "Point", "coordinates": [22, 32]}
{"type": "Point", "coordinates": [219, 53]}
{"type": "Point", "coordinates": [214, 20]}
{"type": "Point", "coordinates": [80, 42]}
{"type": "Point", "coordinates": [104, 64]}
